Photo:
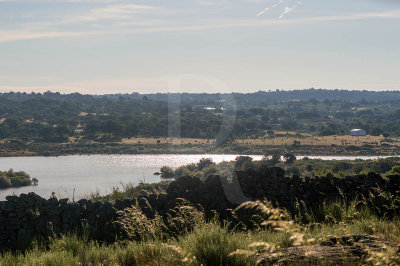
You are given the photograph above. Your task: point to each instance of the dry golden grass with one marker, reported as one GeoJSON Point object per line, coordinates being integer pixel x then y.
{"type": "Point", "coordinates": [175, 141]}
{"type": "Point", "coordinates": [280, 138]}
{"type": "Point", "coordinates": [319, 141]}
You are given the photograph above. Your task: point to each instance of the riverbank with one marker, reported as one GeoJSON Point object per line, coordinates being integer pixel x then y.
{"type": "Point", "coordinates": [13, 149]}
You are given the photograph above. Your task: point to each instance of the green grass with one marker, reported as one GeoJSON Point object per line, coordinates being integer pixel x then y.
{"type": "Point", "coordinates": [195, 241]}
{"type": "Point", "coordinates": [130, 191]}
{"type": "Point", "coordinates": [207, 244]}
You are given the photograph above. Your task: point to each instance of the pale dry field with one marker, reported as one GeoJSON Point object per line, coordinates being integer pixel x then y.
{"type": "Point", "coordinates": [280, 138]}
{"type": "Point", "coordinates": [320, 141]}
{"type": "Point", "coordinates": [174, 141]}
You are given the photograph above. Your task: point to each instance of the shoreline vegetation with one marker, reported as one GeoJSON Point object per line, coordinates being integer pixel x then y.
{"type": "Point", "coordinates": [309, 146]}
{"type": "Point", "coordinates": [165, 224]}
{"type": "Point", "coordinates": [13, 179]}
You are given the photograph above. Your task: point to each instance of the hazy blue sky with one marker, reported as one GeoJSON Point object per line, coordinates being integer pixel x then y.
{"type": "Point", "coordinates": [96, 46]}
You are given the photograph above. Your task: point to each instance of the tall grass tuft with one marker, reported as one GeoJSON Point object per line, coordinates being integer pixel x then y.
{"type": "Point", "coordinates": [211, 244]}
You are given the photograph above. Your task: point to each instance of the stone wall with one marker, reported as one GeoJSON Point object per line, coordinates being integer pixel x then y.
{"type": "Point", "coordinates": [272, 184]}
{"type": "Point", "coordinates": [28, 215]}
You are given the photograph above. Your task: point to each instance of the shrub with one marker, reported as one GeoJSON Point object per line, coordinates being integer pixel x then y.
{"type": "Point", "coordinates": [183, 171]}
{"type": "Point", "coordinates": [243, 162]}
{"type": "Point", "coordinates": [4, 182]}
{"type": "Point", "coordinates": [396, 169]}
{"type": "Point", "coordinates": [14, 179]}
{"type": "Point", "coordinates": [19, 181]}
{"type": "Point", "coordinates": [212, 169]}
{"type": "Point", "coordinates": [167, 172]}
{"type": "Point", "coordinates": [204, 162]}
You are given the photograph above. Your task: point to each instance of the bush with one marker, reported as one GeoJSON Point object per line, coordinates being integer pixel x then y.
{"type": "Point", "coordinates": [243, 162]}
{"type": "Point", "coordinates": [167, 172]}
{"type": "Point", "coordinates": [396, 169]}
{"type": "Point", "coordinates": [4, 182]}
{"type": "Point", "coordinates": [212, 169]}
{"type": "Point", "coordinates": [19, 181]}
{"type": "Point", "coordinates": [183, 171]}
{"type": "Point", "coordinates": [14, 179]}
{"type": "Point", "coordinates": [204, 162]}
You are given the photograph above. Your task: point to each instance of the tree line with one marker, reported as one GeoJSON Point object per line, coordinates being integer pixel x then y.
{"type": "Point", "coordinates": [55, 117]}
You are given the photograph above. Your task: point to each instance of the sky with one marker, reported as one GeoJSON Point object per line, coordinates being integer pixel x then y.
{"type": "Point", "coordinates": [117, 46]}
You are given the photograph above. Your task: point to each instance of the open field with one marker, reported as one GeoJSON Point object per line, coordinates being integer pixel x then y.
{"type": "Point", "coordinates": [321, 141]}
{"type": "Point", "coordinates": [173, 141]}
{"type": "Point", "coordinates": [284, 141]}
{"type": "Point", "coordinates": [279, 140]}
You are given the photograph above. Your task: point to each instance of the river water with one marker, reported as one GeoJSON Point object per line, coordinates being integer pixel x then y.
{"type": "Point", "coordinates": [78, 176]}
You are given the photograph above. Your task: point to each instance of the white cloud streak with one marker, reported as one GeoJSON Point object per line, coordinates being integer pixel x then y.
{"type": "Point", "coordinates": [115, 12]}
{"type": "Point", "coordinates": [269, 8]}
{"type": "Point", "coordinates": [288, 9]}
{"type": "Point", "coordinates": [7, 36]}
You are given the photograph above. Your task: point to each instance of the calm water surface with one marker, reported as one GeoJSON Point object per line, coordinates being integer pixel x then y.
{"type": "Point", "coordinates": [92, 173]}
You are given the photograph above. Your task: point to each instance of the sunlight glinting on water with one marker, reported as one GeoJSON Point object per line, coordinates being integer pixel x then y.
{"type": "Point", "coordinates": [78, 176]}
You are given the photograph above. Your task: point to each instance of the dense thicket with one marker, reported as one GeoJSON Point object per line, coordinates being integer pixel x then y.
{"type": "Point", "coordinates": [53, 117]}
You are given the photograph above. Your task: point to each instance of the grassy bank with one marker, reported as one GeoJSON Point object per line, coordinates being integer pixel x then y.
{"type": "Point", "coordinates": [212, 243]}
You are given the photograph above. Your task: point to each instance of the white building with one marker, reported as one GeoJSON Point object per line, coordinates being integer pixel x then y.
{"type": "Point", "coordinates": [358, 132]}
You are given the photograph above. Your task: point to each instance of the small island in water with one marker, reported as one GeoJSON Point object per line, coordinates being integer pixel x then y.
{"type": "Point", "coordinates": [16, 179]}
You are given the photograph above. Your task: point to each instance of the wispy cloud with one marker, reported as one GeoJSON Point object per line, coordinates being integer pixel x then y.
{"type": "Point", "coordinates": [289, 9]}
{"type": "Point", "coordinates": [14, 35]}
{"type": "Point", "coordinates": [17, 35]}
{"type": "Point", "coordinates": [115, 12]}
{"type": "Point", "coordinates": [269, 8]}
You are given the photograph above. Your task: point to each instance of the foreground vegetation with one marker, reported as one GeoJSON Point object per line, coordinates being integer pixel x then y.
{"type": "Point", "coordinates": [191, 237]}
{"type": "Point", "coordinates": [212, 243]}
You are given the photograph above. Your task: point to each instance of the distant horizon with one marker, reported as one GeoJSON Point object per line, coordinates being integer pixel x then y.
{"type": "Point", "coordinates": [204, 92]}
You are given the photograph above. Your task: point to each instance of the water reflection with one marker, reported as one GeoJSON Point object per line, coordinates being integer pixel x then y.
{"type": "Point", "coordinates": [77, 176]}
